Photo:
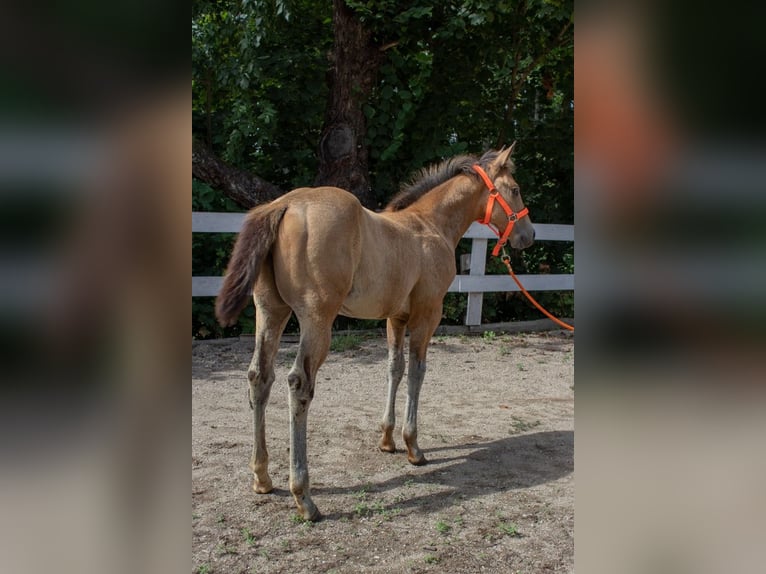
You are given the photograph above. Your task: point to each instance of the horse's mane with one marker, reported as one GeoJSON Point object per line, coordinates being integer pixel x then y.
{"type": "Point", "coordinates": [433, 175]}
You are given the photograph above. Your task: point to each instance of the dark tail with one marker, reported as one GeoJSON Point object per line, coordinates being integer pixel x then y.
{"type": "Point", "coordinates": [253, 245]}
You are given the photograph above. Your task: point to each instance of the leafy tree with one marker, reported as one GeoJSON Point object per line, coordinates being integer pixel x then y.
{"type": "Point", "coordinates": [359, 94]}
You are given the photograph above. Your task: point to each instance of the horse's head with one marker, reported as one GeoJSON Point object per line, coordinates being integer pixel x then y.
{"type": "Point", "coordinates": [503, 208]}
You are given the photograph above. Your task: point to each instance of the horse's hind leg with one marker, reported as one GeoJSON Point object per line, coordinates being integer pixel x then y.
{"type": "Point", "coordinates": [312, 350]}
{"type": "Point", "coordinates": [271, 315]}
{"type": "Point", "coordinates": [395, 331]}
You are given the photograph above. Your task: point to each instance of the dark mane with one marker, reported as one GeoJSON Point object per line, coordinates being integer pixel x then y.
{"type": "Point", "coordinates": [434, 175]}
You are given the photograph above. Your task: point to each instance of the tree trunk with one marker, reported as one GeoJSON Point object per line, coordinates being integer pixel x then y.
{"type": "Point", "coordinates": [342, 151]}
{"type": "Point", "coordinates": [246, 189]}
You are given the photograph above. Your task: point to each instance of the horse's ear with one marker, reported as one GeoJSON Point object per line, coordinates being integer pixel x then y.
{"type": "Point", "coordinates": [503, 157]}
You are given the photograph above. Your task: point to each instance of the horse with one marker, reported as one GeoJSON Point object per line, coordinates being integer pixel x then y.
{"type": "Point", "coordinates": [317, 252]}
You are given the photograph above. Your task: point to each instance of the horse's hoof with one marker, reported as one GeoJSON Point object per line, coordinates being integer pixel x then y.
{"type": "Point", "coordinates": [387, 447]}
{"type": "Point", "coordinates": [262, 487]}
{"type": "Point", "coordinates": [310, 513]}
{"type": "Point", "coordinates": [417, 461]}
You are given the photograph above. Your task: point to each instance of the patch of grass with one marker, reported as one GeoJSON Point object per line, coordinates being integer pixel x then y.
{"type": "Point", "coordinates": [298, 519]}
{"type": "Point", "coordinates": [509, 529]}
{"type": "Point", "coordinates": [204, 569]}
{"type": "Point", "coordinates": [506, 350]}
{"type": "Point", "coordinates": [519, 425]}
{"type": "Point", "coordinates": [442, 527]}
{"type": "Point", "coordinates": [220, 519]}
{"type": "Point", "coordinates": [363, 509]}
{"type": "Point", "coordinates": [361, 494]}
{"type": "Point", "coordinates": [431, 559]}
{"type": "Point", "coordinates": [488, 335]}
{"type": "Point", "coordinates": [401, 497]}
{"type": "Point", "coordinates": [521, 367]}
{"type": "Point", "coordinates": [389, 514]}
{"type": "Point", "coordinates": [248, 536]}
{"type": "Point", "coordinates": [347, 342]}
{"type": "Point", "coordinates": [264, 553]}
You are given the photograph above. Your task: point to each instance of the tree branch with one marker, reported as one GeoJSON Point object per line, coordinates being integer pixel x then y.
{"type": "Point", "coordinates": [246, 189]}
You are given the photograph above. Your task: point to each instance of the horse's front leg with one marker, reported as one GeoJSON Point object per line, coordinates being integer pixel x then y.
{"type": "Point", "coordinates": [415, 375]}
{"type": "Point", "coordinates": [395, 331]}
{"type": "Point", "coordinates": [420, 335]}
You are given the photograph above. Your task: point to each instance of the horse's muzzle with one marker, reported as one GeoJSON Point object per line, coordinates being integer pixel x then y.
{"type": "Point", "coordinates": [523, 240]}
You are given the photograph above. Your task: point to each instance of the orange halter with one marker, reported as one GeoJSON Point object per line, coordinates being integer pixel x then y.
{"type": "Point", "coordinates": [494, 196]}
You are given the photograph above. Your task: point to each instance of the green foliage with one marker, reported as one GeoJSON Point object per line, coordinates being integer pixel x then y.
{"type": "Point", "coordinates": [258, 83]}
{"type": "Point", "coordinates": [509, 529]}
{"type": "Point", "coordinates": [455, 77]}
{"type": "Point", "coordinates": [340, 343]}
{"type": "Point", "coordinates": [248, 536]}
{"type": "Point", "coordinates": [442, 527]}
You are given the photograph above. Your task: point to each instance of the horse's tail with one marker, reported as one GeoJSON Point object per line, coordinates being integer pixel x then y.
{"type": "Point", "coordinates": [253, 245]}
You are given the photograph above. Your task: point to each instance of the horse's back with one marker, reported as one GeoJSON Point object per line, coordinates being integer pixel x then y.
{"type": "Point", "coordinates": [334, 256]}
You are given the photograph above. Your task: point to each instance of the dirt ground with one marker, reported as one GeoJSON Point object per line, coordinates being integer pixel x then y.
{"type": "Point", "coordinates": [496, 422]}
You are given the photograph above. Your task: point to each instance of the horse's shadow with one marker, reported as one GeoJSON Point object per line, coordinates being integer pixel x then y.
{"type": "Point", "coordinates": [505, 464]}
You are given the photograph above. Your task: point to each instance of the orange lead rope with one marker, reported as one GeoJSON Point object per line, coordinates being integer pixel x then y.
{"type": "Point", "coordinates": [507, 261]}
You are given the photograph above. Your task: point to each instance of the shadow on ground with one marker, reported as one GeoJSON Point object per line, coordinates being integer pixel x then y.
{"type": "Point", "coordinates": [507, 464]}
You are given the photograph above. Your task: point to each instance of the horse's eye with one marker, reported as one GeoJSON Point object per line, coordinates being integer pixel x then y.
{"type": "Point", "coordinates": [515, 191]}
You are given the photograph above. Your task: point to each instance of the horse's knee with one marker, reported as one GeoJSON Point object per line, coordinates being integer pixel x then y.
{"type": "Point", "coordinates": [260, 385]}
{"type": "Point", "coordinates": [296, 382]}
{"type": "Point", "coordinates": [300, 381]}
{"type": "Point", "coordinates": [396, 365]}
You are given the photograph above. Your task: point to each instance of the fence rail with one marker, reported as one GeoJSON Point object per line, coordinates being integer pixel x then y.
{"type": "Point", "coordinates": [475, 283]}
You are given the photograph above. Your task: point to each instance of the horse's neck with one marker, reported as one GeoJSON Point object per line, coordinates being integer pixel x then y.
{"type": "Point", "coordinates": [452, 209]}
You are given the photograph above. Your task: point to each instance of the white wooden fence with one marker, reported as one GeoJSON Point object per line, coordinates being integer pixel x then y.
{"type": "Point", "coordinates": [475, 283]}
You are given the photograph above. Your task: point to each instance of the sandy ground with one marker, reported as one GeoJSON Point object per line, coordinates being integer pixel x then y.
{"type": "Point", "coordinates": [496, 422]}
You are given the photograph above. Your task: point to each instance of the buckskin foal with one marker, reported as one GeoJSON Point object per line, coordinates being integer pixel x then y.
{"type": "Point", "coordinates": [318, 253]}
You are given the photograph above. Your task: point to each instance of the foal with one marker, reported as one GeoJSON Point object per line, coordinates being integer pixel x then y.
{"type": "Point", "coordinates": [318, 253]}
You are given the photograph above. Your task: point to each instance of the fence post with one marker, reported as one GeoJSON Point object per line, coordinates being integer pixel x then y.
{"type": "Point", "coordinates": [478, 264]}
